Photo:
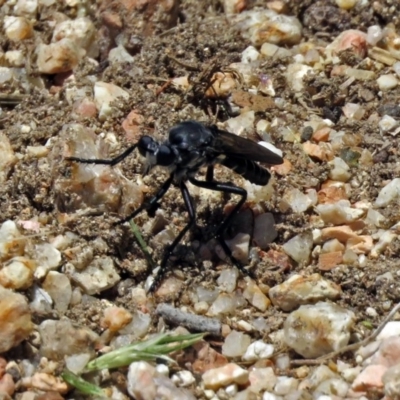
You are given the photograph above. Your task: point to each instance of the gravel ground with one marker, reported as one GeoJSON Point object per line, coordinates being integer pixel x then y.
{"type": "Point", "coordinates": [318, 81]}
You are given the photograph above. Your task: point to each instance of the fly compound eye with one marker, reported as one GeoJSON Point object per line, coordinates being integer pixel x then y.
{"type": "Point", "coordinates": [147, 145]}
{"type": "Point", "coordinates": [165, 156]}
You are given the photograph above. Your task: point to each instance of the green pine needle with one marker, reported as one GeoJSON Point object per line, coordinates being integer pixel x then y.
{"type": "Point", "coordinates": [142, 244]}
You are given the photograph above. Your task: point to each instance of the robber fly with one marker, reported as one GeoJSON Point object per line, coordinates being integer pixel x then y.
{"type": "Point", "coordinates": [190, 146]}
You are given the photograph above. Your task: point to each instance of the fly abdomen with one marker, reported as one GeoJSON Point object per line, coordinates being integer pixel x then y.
{"type": "Point", "coordinates": [250, 170]}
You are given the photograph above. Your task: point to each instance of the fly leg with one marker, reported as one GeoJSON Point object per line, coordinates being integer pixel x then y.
{"type": "Point", "coordinates": [170, 249]}
{"type": "Point", "coordinates": [225, 188]}
{"type": "Point", "coordinates": [112, 161]}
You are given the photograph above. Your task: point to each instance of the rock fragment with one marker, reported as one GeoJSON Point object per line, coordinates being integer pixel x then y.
{"type": "Point", "coordinates": [298, 290]}
{"type": "Point", "coordinates": [224, 376]}
{"type": "Point", "coordinates": [15, 319]}
{"type": "Point", "coordinates": [299, 247]}
{"type": "Point", "coordinates": [61, 338]}
{"type": "Point", "coordinates": [315, 330]}
{"type": "Point", "coordinates": [101, 274]}
{"type": "Point", "coordinates": [54, 58]}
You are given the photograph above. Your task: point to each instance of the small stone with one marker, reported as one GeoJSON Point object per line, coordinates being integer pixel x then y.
{"type": "Point", "coordinates": [346, 4]}
{"type": "Point", "coordinates": [226, 304]}
{"type": "Point", "coordinates": [300, 289]}
{"type": "Point", "coordinates": [80, 31]}
{"type": "Point", "coordinates": [285, 385]}
{"type": "Point", "coordinates": [100, 275]}
{"type": "Point", "coordinates": [18, 273]}
{"type": "Point", "coordinates": [318, 151]}
{"type": "Point", "coordinates": [132, 125]}
{"type": "Point", "coordinates": [353, 111]}
{"type": "Point", "coordinates": [26, 7]}
{"type": "Point", "coordinates": [201, 307]}
{"type": "Point", "coordinates": [139, 326]}
{"type": "Point", "coordinates": [224, 376]}
{"type": "Point", "coordinates": [106, 93]}
{"type": "Point", "coordinates": [41, 302]}
{"type": "Point", "coordinates": [298, 201]}
{"type": "Point", "coordinates": [15, 319]}
{"type": "Point", "coordinates": [183, 378]}
{"type": "Point", "coordinates": [387, 82]}
{"type": "Point", "coordinates": [369, 379]}
{"type": "Point", "coordinates": [47, 258]}
{"type": "Point", "coordinates": [299, 247]}
{"type": "Point", "coordinates": [228, 279]}
{"type": "Point", "coordinates": [61, 338]}
{"type": "Point", "coordinates": [339, 213]}
{"type": "Point", "coordinates": [7, 156]}
{"type": "Point", "coordinates": [387, 124]}
{"type": "Point", "coordinates": [45, 382]}
{"type": "Point", "coordinates": [234, 6]}
{"type": "Point", "coordinates": [284, 168]}
{"type": "Point", "coordinates": [79, 256]}
{"type": "Point", "coordinates": [340, 170]}
{"type": "Point", "coordinates": [352, 39]}
{"type": "Point", "coordinates": [17, 28]}
{"type": "Point", "coordinates": [258, 350]}
{"type": "Point", "coordinates": [236, 344]}
{"type": "Point", "coordinates": [388, 193]}
{"type": "Point", "coordinates": [396, 68]}
{"type": "Point", "coordinates": [280, 259]}
{"type": "Point", "coordinates": [265, 86]}
{"type": "Point", "coordinates": [58, 286]}
{"type": "Point", "coordinates": [295, 73]}
{"type": "Point", "coordinates": [7, 386]}
{"type": "Point", "coordinates": [231, 390]}
{"type": "Point", "coordinates": [15, 58]}
{"type": "Point", "coordinates": [206, 358]}
{"type": "Point", "coordinates": [392, 328]}
{"type": "Point", "coordinates": [327, 261]}
{"type": "Point", "coordinates": [239, 247]}
{"type": "Point", "coordinates": [241, 123]}
{"type": "Point", "coordinates": [318, 375]}
{"type": "Point", "coordinates": [84, 108]}
{"type": "Point", "coordinates": [332, 245]}
{"type": "Point", "coordinates": [315, 330]}
{"type": "Point", "coordinates": [169, 288]}
{"type": "Point", "coordinates": [374, 34]}
{"type": "Point", "coordinates": [255, 296]}
{"type": "Point", "coordinates": [332, 194]}
{"type": "Point", "coordinates": [385, 352]}
{"type": "Point", "coordinates": [262, 26]}
{"type": "Point", "coordinates": [206, 295]}
{"type": "Point", "coordinates": [250, 54]}
{"type": "Point", "coordinates": [54, 58]}
{"type": "Point", "coordinates": [342, 233]}
{"type": "Point", "coordinates": [360, 74]}
{"type": "Point", "coordinates": [262, 379]}
{"type": "Point", "coordinates": [272, 50]}
{"type": "Point", "coordinates": [384, 240]}
{"type": "Point", "coordinates": [37, 151]}
{"type": "Point", "coordinates": [77, 362]}
{"type": "Point", "coordinates": [391, 382]}
{"type": "Point", "coordinates": [333, 387]}
{"type": "Point", "coordinates": [115, 318]}
{"type": "Point", "coordinates": [321, 135]}
{"type": "Point", "coordinates": [12, 243]}
{"type": "Point", "coordinates": [362, 244]}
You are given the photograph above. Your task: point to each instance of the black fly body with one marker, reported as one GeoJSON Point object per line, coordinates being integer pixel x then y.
{"type": "Point", "coordinates": [190, 146]}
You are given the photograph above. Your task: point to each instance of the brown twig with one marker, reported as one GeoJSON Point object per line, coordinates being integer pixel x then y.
{"type": "Point", "coordinates": [191, 321]}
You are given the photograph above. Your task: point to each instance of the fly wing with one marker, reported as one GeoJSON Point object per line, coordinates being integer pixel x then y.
{"type": "Point", "coordinates": [233, 145]}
